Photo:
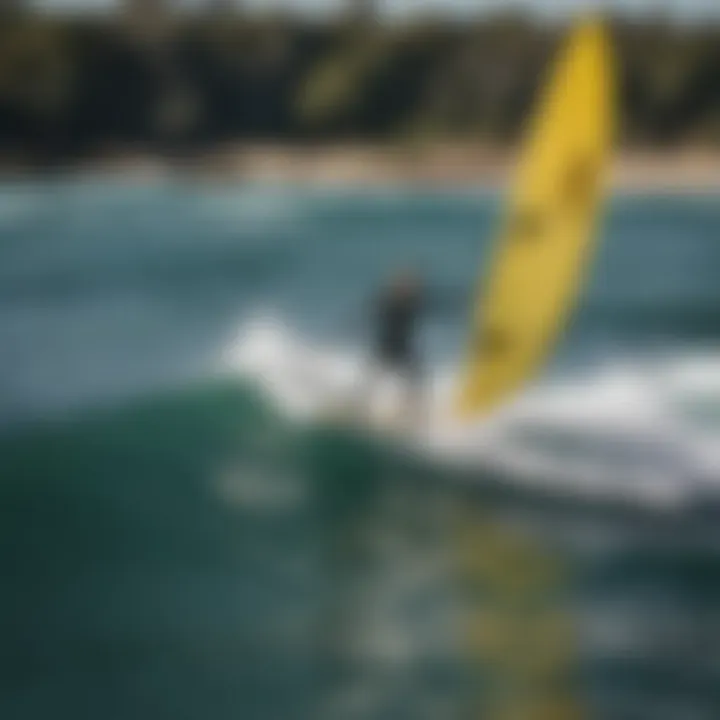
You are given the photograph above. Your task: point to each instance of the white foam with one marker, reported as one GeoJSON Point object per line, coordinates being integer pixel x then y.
{"type": "Point", "coordinates": [622, 432]}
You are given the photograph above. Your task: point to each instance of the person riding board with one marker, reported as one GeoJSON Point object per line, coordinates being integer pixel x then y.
{"type": "Point", "coordinates": [397, 308]}
{"type": "Point", "coordinates": [395, 314]}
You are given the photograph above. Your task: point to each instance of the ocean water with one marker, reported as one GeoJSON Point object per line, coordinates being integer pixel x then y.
{"type": "Point", "coordinates": [182, 539]}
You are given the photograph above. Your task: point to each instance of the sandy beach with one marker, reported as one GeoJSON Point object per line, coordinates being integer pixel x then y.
{"type": "Point", "coordinates": [690, 170]}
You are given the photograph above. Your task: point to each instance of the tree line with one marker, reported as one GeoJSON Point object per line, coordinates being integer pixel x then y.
{"type": "Point", "coordinates": [75, 87]}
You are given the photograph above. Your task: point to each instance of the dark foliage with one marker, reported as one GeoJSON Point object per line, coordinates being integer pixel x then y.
{"type": "Point", "coordinates": [75, 87]}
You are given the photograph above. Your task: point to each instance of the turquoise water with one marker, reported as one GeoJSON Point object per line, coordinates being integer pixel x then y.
{"type": "Point", "coordinates": [176, 545]}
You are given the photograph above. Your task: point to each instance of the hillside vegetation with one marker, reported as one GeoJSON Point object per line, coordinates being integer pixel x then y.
{"type": "Point", "coordinates": [74, 87]}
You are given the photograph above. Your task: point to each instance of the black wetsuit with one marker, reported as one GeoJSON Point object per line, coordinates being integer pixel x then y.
{"type": "Point", "coordinates": [396, 317]}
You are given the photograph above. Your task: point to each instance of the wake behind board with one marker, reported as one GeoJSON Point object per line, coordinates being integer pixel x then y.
{"type": "Point", "coordinates": [546, 240]}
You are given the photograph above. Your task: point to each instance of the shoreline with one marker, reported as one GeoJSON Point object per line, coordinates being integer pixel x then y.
{"type": "Point", "coordinates": [432, 166]}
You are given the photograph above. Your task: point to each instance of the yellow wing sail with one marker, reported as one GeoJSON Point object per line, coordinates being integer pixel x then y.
{"type": "Point", "coordinates": [545, 241]}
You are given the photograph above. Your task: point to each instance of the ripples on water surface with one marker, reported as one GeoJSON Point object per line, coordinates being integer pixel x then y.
{"type": "Point", "coordinates": [179, 540]}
